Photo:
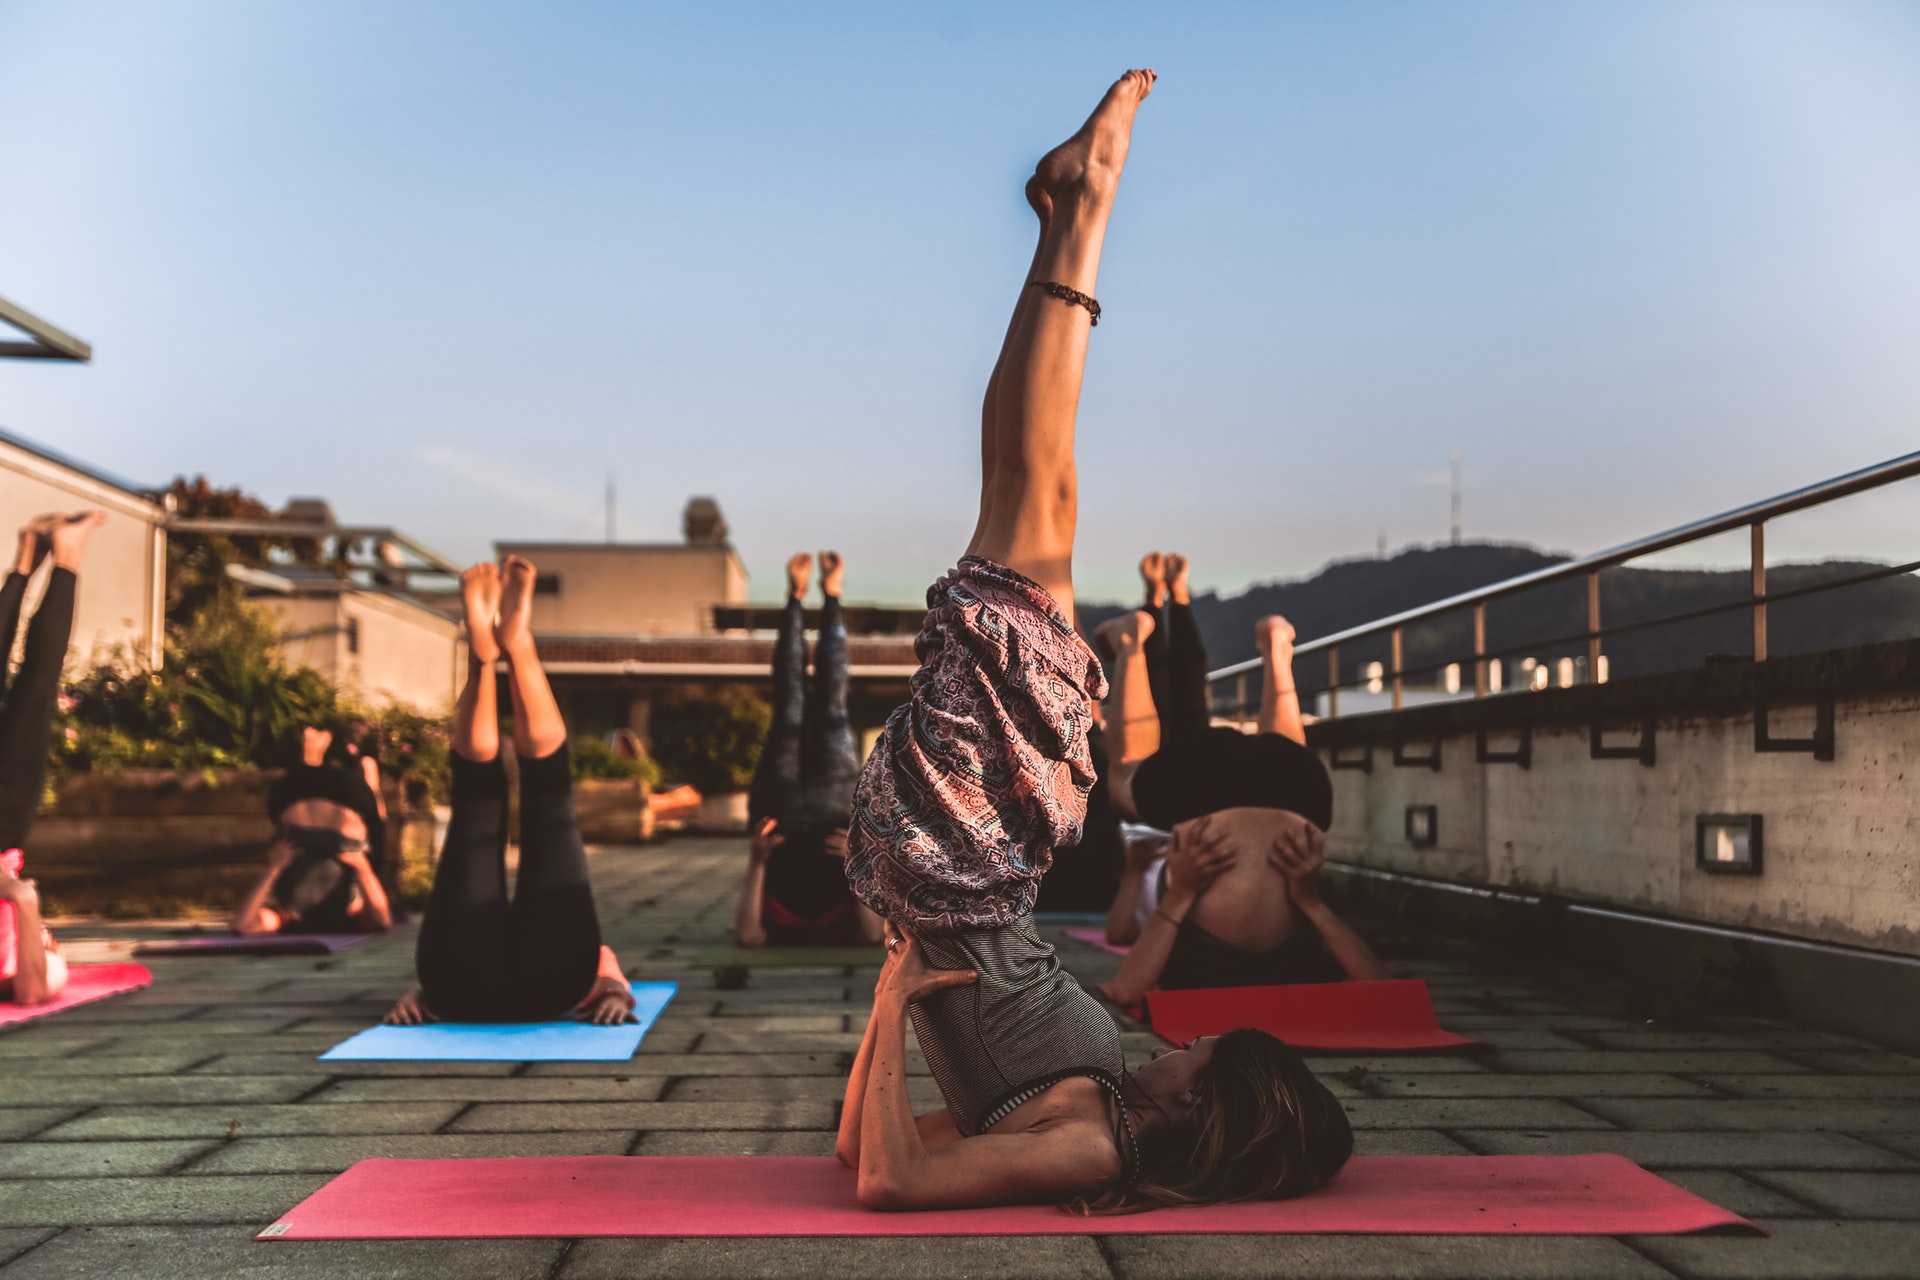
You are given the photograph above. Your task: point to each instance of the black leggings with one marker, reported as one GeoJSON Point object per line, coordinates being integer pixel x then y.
{"type": "Point", "coordinates": [809, 764]}
{"type": "Point", "coordinates": [27, 716]}
{"type": "Point", "coordinates": [1200, 769]}
{"type": "Point", "coordinates": [1177, 674]}
{"type": "Point", "coordinates": [481, 959]}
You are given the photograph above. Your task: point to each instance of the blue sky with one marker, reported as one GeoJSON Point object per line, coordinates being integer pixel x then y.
{"type": "Point", "coordinates": [449, 265]}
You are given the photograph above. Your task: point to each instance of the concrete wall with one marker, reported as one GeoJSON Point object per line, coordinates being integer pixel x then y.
{"type": "Point", "coordinates": [123, 581]}
{"type": "Point", "coordinates": [1841, 838]}
{"type": "Point", "coordinates": [384, 649]}
{"type": "Point", "coordinates": [615, 590]}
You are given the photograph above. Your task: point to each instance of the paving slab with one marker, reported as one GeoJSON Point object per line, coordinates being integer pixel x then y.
{"type": "Point", "coordinates": [1706, 1150]}
{"type": "Point", "coordinates": [625, 1088]}
{"type": "Point", "coordinates": [1741, 1193]}
{"type": "Point", "coordinates": [95, 1159]}
{"type": "Point", "coordinates": [22, 1122]}
{"type": "Point", "coordinates": [1470, 1113]}
{"type": "Point", "coordinates": [707, 1064]}
{"type": "Point", "coordinates": [1795, 1250]}
{"type": "Point", "coordinates": [15, 1241]}
{"type": "Point", "coordinates": [1851, 1195]}
{"type": "Point", "coordinates": [142, 1253]}
{"type": "Point", "coordinates": [895, 1258]}
{"type": "Point", "coordinates": [255, 1121]}
{"type": "Point", "coordinates": [1569, 1084]}
{"type": "Point", "coordinates": [1859, 1061]}
{"type": "Point", "coordinates": [67, 1202]}
{"type": "Point", "coordinates": [732, 1143]}
{"type": "Point", "coordinates": [549, 1117]}
{"type": "Point", "coordinates": [1231, 1257]}
{"type": "Point", "coordinates": [1773, 1115]}
{"type": "Point", "coordinates": [94, 1089]}
{"type": "Point", "coordinates": [1721, 1061]}
{"type": "Point", "coordinates": [272, 1064]}
{"type": "Point", "coordinates": [332, 1155]}
{"type": "Point", "coordinates": [1812, 1086]}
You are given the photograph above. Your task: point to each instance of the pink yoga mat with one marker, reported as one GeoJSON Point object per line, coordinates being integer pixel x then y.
{"type": "Point", "coordinates": [85, 983]}
{"type": "Point", "coordinates": [571, 1196]}
{"type": "Point", "coordinates": [1098, 938]}
{"type": "Point", "coordinates": [1396, 1014]}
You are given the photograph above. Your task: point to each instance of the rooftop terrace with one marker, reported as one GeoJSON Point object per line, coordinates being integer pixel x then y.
{"type": "Point", "coordinates": [154, 1134]}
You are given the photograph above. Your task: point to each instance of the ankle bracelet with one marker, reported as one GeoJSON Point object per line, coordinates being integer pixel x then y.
{"type": "Point", "coordinates": [1073, 296]}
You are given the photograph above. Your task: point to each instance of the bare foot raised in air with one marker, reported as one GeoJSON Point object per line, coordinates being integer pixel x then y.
{"type": "Point", "coordinates": [1153, 572]}
{"type": "Point", "coordinates": [1124, 632]}
{"type": "Point", "coordinates": [514, 631]}
{"type": "Point", "coordinates": [35, 542]}
{"type": "Point", "coordinates": [833, 572]}
{"type": "Point", "coordinates": [480, 598]}
{"type": "Point", "coordinates": [1086, 167]}
{"type": "Point", "coordinates": [799, 573]}
{"type": "Point", "coordinates": [1274, 635]}
{"type": "Point", "coordinates": [1177, 578]}
{"type": "Point", "coordinates": [69, 534]}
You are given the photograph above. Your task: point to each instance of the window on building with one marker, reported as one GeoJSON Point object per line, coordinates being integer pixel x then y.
{"type": "Point", "coordinates": [353, 635]}
{"type": "Point", "coordinates": [546, 584]}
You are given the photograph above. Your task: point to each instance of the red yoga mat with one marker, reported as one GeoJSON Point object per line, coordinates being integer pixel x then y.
{"type": "Point", "coordinates": [572, 1196]}
{"type": "Point", "coordinates": [85, 983]}
{"type": "Point", "coordinates": [1390, 1015]}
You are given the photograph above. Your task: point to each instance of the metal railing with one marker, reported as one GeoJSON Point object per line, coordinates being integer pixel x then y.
{"type": "Point", "coordinates": [1753, 517]}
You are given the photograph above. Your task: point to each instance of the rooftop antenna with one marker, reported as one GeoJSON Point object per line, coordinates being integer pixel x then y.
{"type": "Point", "coordinates": [1456, 497]}
{"type": "Point", "coordinates": [610, 510]}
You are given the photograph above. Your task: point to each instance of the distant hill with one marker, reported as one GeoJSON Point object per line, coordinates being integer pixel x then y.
{"type": "Point", "coordinates": [1347, 593]}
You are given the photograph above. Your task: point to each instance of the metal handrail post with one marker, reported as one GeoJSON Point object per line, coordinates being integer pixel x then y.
{"type": "Point", "coordinates": [1396, 668]}
{"type": "Point", "coordinates": [1480, 650]}
{"type": "Point", "coordinates": [1333, 682]}
{"type": "Point", "coordinates": [1759, 591]}
{"type": "Point", "coordinates": [1593, 627]}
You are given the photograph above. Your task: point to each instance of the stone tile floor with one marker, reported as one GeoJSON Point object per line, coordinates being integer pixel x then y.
{"type": "Point", "coordinates": [153, 1134]}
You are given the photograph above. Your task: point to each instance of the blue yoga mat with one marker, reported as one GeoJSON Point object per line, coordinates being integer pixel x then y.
{"type": "Point", "coordinates": [508, 1041]}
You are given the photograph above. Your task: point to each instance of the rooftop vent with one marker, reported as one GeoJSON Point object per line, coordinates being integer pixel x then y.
{"type": "Point", "coordinates": [704, 524]}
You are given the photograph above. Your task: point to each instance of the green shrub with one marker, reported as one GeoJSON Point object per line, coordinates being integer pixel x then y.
{"type": "Point", "coordinates": [593, 759]}
{"type": "Point", "coordinates": [710, 741]}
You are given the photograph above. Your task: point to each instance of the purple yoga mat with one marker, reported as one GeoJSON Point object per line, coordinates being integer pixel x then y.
{"type": "Point", "coordinates": [260, 944]}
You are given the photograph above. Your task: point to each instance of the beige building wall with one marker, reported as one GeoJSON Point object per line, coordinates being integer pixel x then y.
{"type": "Point", "coordinates": [630, 590]}
{"type": "Point", "coordinates": [1841, 838]}
{"type": "Point", "coordinates": [122, 593]}
{"type": "Point", "coordinates": [384, 649]}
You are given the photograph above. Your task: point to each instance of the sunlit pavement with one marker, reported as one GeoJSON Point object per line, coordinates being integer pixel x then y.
{"type": "Point", "coordinates": [154, 1134]}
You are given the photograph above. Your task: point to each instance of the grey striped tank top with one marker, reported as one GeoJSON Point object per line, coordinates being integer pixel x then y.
{"type": "Point", "coordinates": [1024, 1026]}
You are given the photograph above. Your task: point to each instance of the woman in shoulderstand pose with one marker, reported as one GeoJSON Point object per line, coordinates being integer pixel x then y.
{"type": "Point", "coordinates": [538, 958]}
{"type": "Point", "coordinates": [974, 783]}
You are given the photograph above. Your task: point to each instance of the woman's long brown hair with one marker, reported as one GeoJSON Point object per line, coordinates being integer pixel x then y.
{"type": "Point", "coordinates": [1262, 1127]}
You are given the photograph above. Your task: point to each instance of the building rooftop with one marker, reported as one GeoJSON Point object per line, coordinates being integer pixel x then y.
{"type": "Point", "coordinates": [154, 1134]}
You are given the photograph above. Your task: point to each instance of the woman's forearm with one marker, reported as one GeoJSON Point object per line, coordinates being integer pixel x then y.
{"type": "Point", "coordinates": [891, 1150]}
{"type": "Point", "coordinates": [1141, 969]}
{"type": "Point", "coordinates": [247, 919]}
{"type": "Point", "coordinates": [853, 1105]}
{"type": "Point", "coordinates": [1348, 947]}
{"type": "Point", "coordinates": [749, 924]}
{"type": "Point", "coordinates": [379, 910]}
{"type": "Point", "coordinates": [1122, 928]}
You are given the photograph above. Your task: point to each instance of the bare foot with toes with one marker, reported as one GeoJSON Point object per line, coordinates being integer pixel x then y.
{"type": "Point", "coordinates": [833, 572]}
{"type": "Point", "coordinates": [1274, 635]}
{"type": "Point", "coordinates": [1153, 572]}
{"type": "Point", "coordinates": [480, 598]}
{"type": "Point", "coordinates": [1177, 578]}
{"type": "Point", "coordinates": [69, 537]}
{"type": "Point", "coordinates": [514, 631]}
{"type": "Point", "coordinates": [35, 542]}
{"type": "Point", "coordinates": [799, 573]}
{"type": "Point", "coordinates": [1124, 632]}
{"type": "Point", "coordinates": [1086, 167]}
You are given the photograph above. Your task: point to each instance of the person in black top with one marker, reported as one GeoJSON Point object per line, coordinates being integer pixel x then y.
{"type": "Point", "coordinates": [323, 867]}
{"type": "Point", "coordinates": [797, 810]}
{"type": "Point", "coordinates": [1248, 813]}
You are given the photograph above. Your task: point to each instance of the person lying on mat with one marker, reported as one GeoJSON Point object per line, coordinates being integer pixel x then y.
{"type": "Point", "coordinates": [1142, 880]}
{"type": "Point", "coordinates": [32, 970]}
{"type": "Point", "coordinates": [538, 958]}
{"type": "Point", "coordinates": [322, 871]}
{"type": "Point", "coordinates": [972, 786]}
{"type": "Point", "coordinates": [796, 887]}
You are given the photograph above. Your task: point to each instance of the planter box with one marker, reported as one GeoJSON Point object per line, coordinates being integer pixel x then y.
{"type": "Point", "coordinates": [614, 810]}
